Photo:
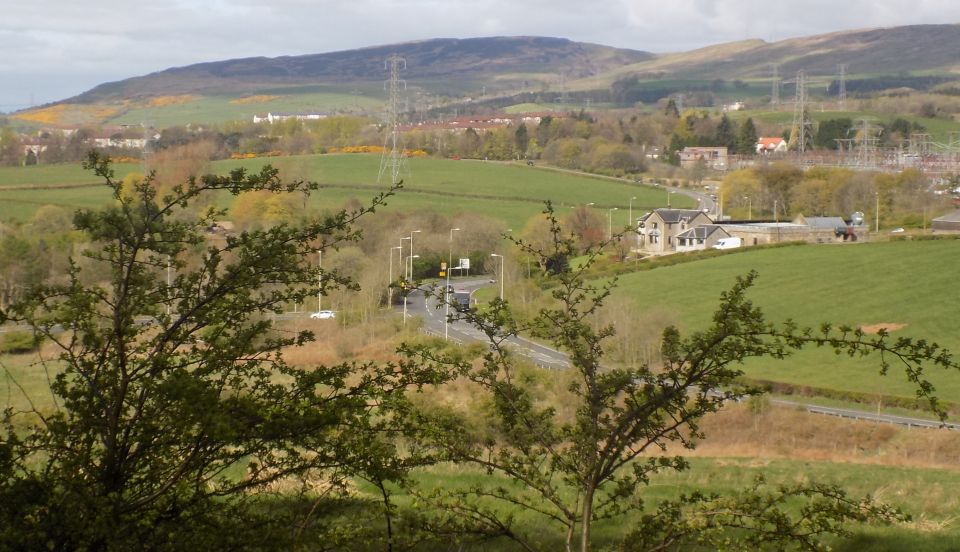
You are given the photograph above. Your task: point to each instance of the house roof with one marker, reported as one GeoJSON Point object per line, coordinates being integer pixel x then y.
{"type": "Point", "coordinates": [673, 216]}
{"type": "Point", "coordinates": [949, 217]}
{"type": "Point", "coordinates": [769, 142]}
{"type": "Point", "coordinates": [701, 232]}
{"type": "Point", "coordinates": [822, 222]}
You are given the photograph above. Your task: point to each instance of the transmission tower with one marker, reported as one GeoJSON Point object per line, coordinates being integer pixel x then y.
{"type": "Point", "coordinates": [867, 141]}
{"type": "Point", "coordinates": [842, 92]}
{"type": "Point", "coordinates": [801, 133]}
{"type": "Point", "coordinates": [918, 144]}
{"type": "Point", "coordinates": [563, 91]}
{"type": "Point", "coordinates": [679, 103]}
{"type": "Point", "coordinates": [392, 160]}
{"type": "Point", "coordinates": [775, 91]}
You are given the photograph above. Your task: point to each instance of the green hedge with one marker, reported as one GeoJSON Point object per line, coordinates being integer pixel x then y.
{"type": "Point", "coordinates": [17, 343]}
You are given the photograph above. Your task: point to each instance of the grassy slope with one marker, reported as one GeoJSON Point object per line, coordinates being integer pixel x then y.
{"type": "Point", "coordinates": [218, 109]}
{"type": "Point", "coordinates": [47, 175]}
{"type": "Point", "coordinates": [926, 494]}
{"type": "Point", "coordinates": [939, 129]}
{"type": "Point", "coordinates": [511, 193]}
{"type": "Point", "coordinates": [897, 282]}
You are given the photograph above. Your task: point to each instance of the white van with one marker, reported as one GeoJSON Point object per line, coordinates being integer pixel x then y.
{"type": "Point", "coordinates": [728, 243]}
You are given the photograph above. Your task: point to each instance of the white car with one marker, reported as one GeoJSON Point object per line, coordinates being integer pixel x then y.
{"type": "Point", "coordinates": [324, 314]}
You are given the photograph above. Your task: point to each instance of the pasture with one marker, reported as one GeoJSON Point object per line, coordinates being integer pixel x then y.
{"type": "Point", "coordinates": [220, 109]}
{"type": "Point", "coordinates": [908, 286]}
{"type": "Point", "coordinates": [923, 493]}
{"type": "Point", "coordinates": [511, 193]}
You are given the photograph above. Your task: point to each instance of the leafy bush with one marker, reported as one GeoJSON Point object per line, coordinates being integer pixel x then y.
{"type": "Point", "coordinates": [17, 343]}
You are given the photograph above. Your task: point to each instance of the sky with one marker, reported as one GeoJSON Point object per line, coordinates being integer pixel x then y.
{"type": "Point", "coordinates": [53, 49]}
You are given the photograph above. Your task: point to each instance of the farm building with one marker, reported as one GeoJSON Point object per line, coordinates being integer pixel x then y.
{"type": "Point", "coordinates": [949, 223]}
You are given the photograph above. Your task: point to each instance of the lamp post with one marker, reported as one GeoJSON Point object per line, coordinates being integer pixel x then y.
{"type": "Point", "coordinates": [876, 227]}
{"type": "Point", "coordinates": [501, 272]}
{"type": "Point", "coordinates": [669, 193]}
{"type": "Point", "coordinates": [749, 207]}
{"type": "Point", "coordinates": [776, 218]}
{"type": "Point", "coordinates": [390, 283]}
{"type": "Point", "coordinates": [446, 290]}
{"type": "Point", "coordinates": [410, 258]}
{"type": "Point", "coordinates": [319, 279]}
{"type": "Point", "coordinates": [168, 285]}
{"type": "Point", "coordinates": [412, 232]}
{"type": "Point", "coordinates": [610, 222]}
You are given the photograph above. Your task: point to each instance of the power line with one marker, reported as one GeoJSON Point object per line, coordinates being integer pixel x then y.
{"type": "Point", "coordinates": [392, 160]}
{"type": "Point", "coordinates": [801, 133]}
{"type": "Point", "coordinates": [842, 93]}
{"type": "Point", "coordinates": [775, 90]}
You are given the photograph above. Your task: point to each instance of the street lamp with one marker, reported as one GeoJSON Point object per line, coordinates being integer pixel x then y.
{"type": "Point", "coordinates": [610, 222]}
{"type": "Point", "coordinates": [749, 207]}
{"type": "Point", "coordinates": [319, 279]}
{"type": "Point", "coordinates": [410, 258]}
{"type": "Point", "coordinates": [390, 283]}
{"type": "Point", "coordinates": [876, 227]}
{"type": "Point", "coordinates": [446, 290]}
{"type": "Point", "coordinates": [168, 285]}
{"type": "Point", "coordinates": [501, 272]}
{"type": "Point", "coordinates": [412, 232]}
{"type": "Point", "coordinates": [669, 193]}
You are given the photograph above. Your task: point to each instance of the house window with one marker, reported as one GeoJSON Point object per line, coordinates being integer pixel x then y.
{"type": "Point", "coordinates": [700, 242]}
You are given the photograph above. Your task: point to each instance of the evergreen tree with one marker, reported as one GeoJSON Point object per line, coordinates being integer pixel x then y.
{"type": "Point", "coordinates": [521, 138]}
{"type": "Point", "coordinates": [671, 109]}
{"type": "Point", "coordinates": [727, 134]}
{"type": "Point", "coordinates": [673, 151]}
{"type": "Point", "coordinates": [747, 138]}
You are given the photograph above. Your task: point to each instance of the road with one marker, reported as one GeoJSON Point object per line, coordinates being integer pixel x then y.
{"type": "Point", "coordinates": [431, 310]}
{"type": "Point", "coordinates": [426, 307]}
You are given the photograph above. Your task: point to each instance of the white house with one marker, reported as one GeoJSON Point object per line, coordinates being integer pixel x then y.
{"type": "Point", "coordinates": [766, 145]}
{"type": "Point", "coordinates": [659, 229]}
{"type": "Point", "coordinates": [280, 117]}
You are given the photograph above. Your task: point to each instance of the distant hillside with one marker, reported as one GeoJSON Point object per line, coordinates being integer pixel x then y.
{"type": "Point", "coordinates": [428, 60]}
{"type": "Point", "coordinates": [887, 51]}
{"type": "Point", "coordinates": [503, 68]}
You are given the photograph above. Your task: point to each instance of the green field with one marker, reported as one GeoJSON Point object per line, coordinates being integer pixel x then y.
{"type": "Point", "coordinates": [54, 175]}
{"type": "Point", "coordinates": [909, 283]}
{"type": "Point", "coordinates": [939, 129]}
{"type": "Point", "coordinates": [219, 109]}
{"type": "Point", "coordinates": [926, 494]}
{"type": "Point", "coordinates": [511, 193]}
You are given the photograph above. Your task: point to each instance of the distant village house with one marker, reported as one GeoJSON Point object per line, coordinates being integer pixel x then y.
{"type": "Point", "coordinates": [280, 117]}
{"type": "Point", "coordinates": [714, 157]}
{"type": "Point", "coordinates": [768, 145]}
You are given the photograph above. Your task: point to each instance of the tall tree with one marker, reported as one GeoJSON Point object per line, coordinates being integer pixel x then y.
{"type": "Point", "coordinates": [521, 139]}
{"type": "Point", "coordinates": [747, 138]}
{"type": "Point", "coordinates": [166, 388]}
{"type": "Point", "coordinates": [726, 135]}
{"type": "Point", "coordinates": [10, 153]}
